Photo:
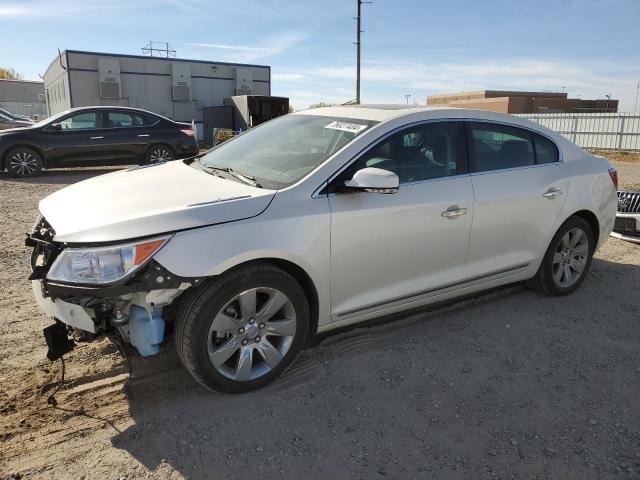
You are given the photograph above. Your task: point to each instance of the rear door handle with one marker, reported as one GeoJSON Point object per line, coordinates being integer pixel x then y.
{"type": "Point", "coordinates": [145, 135]}
{"type": "Point", "coordinates": [552, 193]}
{"type": "Point", "coordinates": [453, 212]}
{"type": "Point", "coordinates": [96, 138]}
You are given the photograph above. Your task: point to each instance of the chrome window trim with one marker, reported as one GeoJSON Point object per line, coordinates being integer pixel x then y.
{"type": "Point", "coordinates": [132, 126]}
{"type": "Point", "coordinates": [512, 169]}
{"type": "Point", "coordinates": [316, 193]}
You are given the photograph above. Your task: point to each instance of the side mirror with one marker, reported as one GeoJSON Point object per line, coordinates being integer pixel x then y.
{"type": "Point", "coordinates": [374, 180]}
{"type": "Point", "coordinates": [56, 127]}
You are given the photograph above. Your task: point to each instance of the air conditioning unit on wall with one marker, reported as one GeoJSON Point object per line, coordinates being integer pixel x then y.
{"type": "Point", "coordinates": [109, 77]}
{"type": "Point", "coordinates": [244, 81]}
{"type": "Point", "coordinates": [181, 82]}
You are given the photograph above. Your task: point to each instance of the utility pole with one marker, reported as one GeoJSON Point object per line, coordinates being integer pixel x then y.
{"type": "Point", "coordinates": [358, 32]}
{"type": "Point", "coordinates": [635, 105]}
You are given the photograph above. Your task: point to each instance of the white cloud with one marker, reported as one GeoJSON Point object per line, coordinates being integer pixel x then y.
{"type": "Point", "coordinates": [289, 77]}
{"type": "Point", "coordinates": [35, 9]}
{"type": "Point", "coordinates": [392, 79]}
{"type": "Point", "coordinates": [269, 46]}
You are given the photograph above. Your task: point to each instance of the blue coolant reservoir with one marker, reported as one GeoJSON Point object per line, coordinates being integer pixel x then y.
{"type": "Point", "coordinates": [146, 332]}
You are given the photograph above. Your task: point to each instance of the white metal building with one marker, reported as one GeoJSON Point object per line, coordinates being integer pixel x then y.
{"type": "Point", "coordinates": [176, 88]}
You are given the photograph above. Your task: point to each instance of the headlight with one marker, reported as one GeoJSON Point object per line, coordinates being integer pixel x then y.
{"type": "Point", "coordinates": [102, 265]}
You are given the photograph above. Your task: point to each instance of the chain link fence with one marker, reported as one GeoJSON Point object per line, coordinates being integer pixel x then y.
{"type": "Point", "coordinates": [602, 131]}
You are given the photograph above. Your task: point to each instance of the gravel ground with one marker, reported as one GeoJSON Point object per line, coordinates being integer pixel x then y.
{"type": "Point", "coordinates": [510, 384]}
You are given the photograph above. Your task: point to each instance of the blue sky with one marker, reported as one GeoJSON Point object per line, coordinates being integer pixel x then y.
{"type": "Point", "coordinates": [590, 47]}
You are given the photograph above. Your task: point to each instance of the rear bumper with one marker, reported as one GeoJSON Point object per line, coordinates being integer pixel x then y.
{"type": "Point", "coordinates": [187, 148]}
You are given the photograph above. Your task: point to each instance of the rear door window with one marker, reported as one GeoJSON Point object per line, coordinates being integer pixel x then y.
{"type": "Point", "coordinates": [119, 120]}
{"type": "Point", "coordinates": [546, 150]}
{"type": "Point", "coordinates": [497, 147]}
{"type": "Point", "coordinates": [142, 120]}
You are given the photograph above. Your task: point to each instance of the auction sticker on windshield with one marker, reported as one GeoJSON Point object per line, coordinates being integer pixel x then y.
{"type": "Point", "coordinates": [346, 126]}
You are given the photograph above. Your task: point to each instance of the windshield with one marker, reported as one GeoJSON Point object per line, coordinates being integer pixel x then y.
{"type": "Point", "coordinates": [282, 151]}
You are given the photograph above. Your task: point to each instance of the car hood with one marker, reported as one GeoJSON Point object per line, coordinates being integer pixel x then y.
{"type": "Point", "coordinates": [147, 201]}
{"type": "Point", "coordinates": [19, 127]}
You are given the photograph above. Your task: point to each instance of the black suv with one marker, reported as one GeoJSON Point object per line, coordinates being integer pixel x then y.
{"type": "Point", "coordinates": [90, 136]}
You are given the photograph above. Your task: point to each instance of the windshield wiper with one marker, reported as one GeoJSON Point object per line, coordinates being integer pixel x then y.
{"type": "Point", "coordinates": [243, 177]}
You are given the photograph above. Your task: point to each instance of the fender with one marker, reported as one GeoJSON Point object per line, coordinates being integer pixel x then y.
{"type": "Point", "coordinates": [284, 234]}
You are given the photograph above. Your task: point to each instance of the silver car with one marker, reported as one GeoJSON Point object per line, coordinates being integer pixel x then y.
{"type": "Point", "coordinates": [9, 120]}
{"type": "Point", "coordinates": [314, 221]}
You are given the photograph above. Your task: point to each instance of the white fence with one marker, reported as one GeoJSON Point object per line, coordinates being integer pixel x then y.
{"type": "Point", "coordinates": [606, 131]}
{"type": "Point", "coordinates": [27, 109]}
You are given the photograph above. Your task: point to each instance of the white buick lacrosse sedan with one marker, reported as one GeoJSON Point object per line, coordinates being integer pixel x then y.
{"type": "Point", "coordinates": [313, 221]}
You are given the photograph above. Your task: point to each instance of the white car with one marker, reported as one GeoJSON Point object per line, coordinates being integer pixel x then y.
{"type": "Point", "coordinates": [314, 221]}
{"type": "Point", "coordinates": [627, 224]}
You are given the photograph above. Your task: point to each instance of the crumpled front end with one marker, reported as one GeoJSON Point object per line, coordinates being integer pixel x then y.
{"type": "Point", "coordinates": [133, 307]}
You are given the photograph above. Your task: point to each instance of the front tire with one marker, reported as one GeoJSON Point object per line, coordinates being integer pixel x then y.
{"type": "Point", "coordinates": [158, 154]}
{"type": "Point", "coordinates": [567, 260]}
{"type": "Point", "coordinates": [239, 332]}
{"type": "Point", "coordinates": [23, 162]}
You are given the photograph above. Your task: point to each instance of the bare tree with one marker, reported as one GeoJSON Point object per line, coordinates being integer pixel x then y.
{"type": "Point", "coordinates": [322, 104]}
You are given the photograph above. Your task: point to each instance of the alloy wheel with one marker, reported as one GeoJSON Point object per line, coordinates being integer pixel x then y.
{"type": "Point", "coordinates": [23, 163]}
{"type": "Point", "coordinates": [570, 257]}
{"type": "Point", "coordinates": [251, 334]}
{"type": "Point", "coordinates": [160, 155]}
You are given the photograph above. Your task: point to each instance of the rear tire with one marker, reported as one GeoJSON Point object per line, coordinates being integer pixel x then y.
{"type": "Point", "coordinates": [23, 162]}
{"type": "Point", "coordinates": [567, 260]}
{"type": "Point", "coordinates": [240, 331]}
{"type": "Point", "coordinates": [158, 153]}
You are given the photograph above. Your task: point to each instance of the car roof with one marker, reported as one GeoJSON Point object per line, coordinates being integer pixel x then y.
{"type": "Point", "coordinates": [112, 107]}
{"type": "Point", "coordinates": [383, 113]}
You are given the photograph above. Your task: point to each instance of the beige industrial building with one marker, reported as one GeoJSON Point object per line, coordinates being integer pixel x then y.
{"type": "Point", "coordinates": [177, 88]}
{"type": "Point", "coordinates": [505, 101]}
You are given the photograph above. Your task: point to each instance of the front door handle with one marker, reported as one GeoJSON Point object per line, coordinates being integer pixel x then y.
{"type": "Point", "coordinates": [453, 212]}
{"type": "Point", "coordinates": [552, 193]}
{"type": "Point", "coordinates": [145, 135]}
{"type": "Point", "coordinates": [96, 138]}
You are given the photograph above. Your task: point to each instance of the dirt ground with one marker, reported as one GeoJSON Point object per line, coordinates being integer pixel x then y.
{"type": "Point", "coordinates": [510, 384]}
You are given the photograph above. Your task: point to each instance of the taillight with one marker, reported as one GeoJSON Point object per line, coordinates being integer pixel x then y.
{"type": "Point", "coordinates": [613, 173]}
{"type": "Point", "coordinates": [187, 131]}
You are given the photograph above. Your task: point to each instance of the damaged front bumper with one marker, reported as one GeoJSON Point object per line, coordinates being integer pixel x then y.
{"type": "Point", "coordinates": [133, 309]}
{"type": "Point", "coordinates": [627, 227]}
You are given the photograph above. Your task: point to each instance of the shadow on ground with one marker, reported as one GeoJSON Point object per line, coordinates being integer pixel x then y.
{"type": "Point", "coordinates": [510, 384]}
{"type": "Point", "coordinates": [61, 176]}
